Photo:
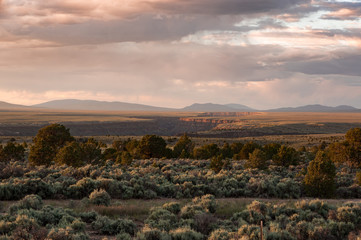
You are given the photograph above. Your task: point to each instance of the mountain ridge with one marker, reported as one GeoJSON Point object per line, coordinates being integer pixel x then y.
{"type": "Point", "coordinates": [316, 108]}
{"type": "Point", "coordinates": [6, 105]}
{"type": "Point", "coordinates": [211, 107]}
{"type": "Point", "coordinates": [94, 105]}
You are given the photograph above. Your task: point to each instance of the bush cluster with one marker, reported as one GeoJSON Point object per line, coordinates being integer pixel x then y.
{"type": "Point", "coordinates": [148, 179]}
{"type": "Point", "coordinates": [31, 219]}
{"type": "Point", "coordinates": [153, 178]}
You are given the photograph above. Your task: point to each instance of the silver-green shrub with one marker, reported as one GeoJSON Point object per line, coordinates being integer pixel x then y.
{"type": "Point", "coordinates": [148, 233]}
{"type": "Point", "coordinates": [185, 234]}
{"type": "Point", "coordinates": [100, 197]}
{"type": "Point", "coordinates": [220, 234]}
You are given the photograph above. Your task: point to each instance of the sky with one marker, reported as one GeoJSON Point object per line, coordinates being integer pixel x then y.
{"type": "Point", "coordinates": [172, 53]}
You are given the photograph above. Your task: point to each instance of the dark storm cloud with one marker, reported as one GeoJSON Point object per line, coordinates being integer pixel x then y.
{"type": "Point", "coordinates": [225, 7]}
{"type": "Point", "coordinates": [1, 7]}
{"type": "Point", "coordinates": [160, 21]}
{"type": "Point", "coordinates": [347, 32]}
{"type": "Point", "coordinates": [144, 28]}
{"type": "Point", "coordinates": [348, 65]}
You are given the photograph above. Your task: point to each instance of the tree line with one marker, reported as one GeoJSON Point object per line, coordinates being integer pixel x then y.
{"type": "Point", "coordinates": [54, 144]}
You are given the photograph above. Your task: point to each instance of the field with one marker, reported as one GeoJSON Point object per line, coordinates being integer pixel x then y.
{"type": "Point", "coordinates": [198, 125]}
{"type": "Point", "coordinates": [174, 197]}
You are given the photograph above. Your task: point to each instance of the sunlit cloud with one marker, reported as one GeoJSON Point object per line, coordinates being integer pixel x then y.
{"type": "Point", "coordinates": [264, 53]}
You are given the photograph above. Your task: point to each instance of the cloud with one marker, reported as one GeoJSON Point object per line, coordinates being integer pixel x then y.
{"type": "Point", "coordinates": [178, 52]}
{"type": "Point", "coordinates": [225, 7]}
{"type": "Point", "coordinates": [159, 63]}
{"type": "Point", "coordinates": [342, 10]}
{"type": "Point", "coordinates": [343, 65]}
{"type": "Point", "coordinates": [107, 21]}
{"type": "Point", "coordinates": [37, 12]}
{"type": "Point", "coordinates": [143, 28]}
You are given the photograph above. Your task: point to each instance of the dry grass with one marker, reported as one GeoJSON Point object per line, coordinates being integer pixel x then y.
{"type": "Point", "coordinates": [260, 119]}
{"type": "Point", "coordinates": [49, 116]}
{"type": "Point", "coordinates": [138, 209]}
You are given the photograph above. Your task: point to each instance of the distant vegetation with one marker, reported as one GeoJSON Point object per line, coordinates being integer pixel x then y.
{"type": "Point", "coordinates": [249, 169]}
{"type": "Point", "coordinates": [57, 166]}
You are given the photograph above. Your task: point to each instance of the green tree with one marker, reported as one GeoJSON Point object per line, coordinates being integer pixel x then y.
{"type": "Point", "coordinates": [349, 151]}
{"type": "Point", "coordinates": [131, 146]}
{"type": "Point", "coordinates": [183, 147]}
{"type": "Point", "coordinates": [71, 154]}
{"type": "Point", "coordinates": [124, 158]}
{"type": "Point", "coordinates": [47, 143]}
{"type": "Point", "coordinates": [226, 151]}
{"type": "Point", "coordinates": [257, 159]}
{"type": "Point", "coordinates": [320, 178]}
{"type": "Point", "coordinates": [286, 156]}
{"type": "Point", "coordinates": [217, 163]}
{"type": "Point", "coordinates": [92, 150]}
{"type": "Point", "coordinates": [12, 151]}
{"type": "Point", "coordinates": [354, 135]}
{"type": "Point", "coordinates": [271, 149]}
{"type": "Point", "coordinates": [248, 148]}
{"type": "Point", "coordinates": [206, 151]}
{"type": "Point", "coordinates": [236, 148]}
{"type": "Point", "coordinates": [152, 146]}
{"type": "Point", "coordinates": [110, 153]}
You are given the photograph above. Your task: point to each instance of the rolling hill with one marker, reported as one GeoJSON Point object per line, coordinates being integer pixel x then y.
{"type": "Point", "coordinates": [317, 108]}
{"type": "Point", "coordinates": [211, 107]}
{"type": "Point", "coordinates": [93, 105]}
{"type": "Point", "coordinates": [9, 106]}
{"type": "Point", "coordinates": [73, 104]}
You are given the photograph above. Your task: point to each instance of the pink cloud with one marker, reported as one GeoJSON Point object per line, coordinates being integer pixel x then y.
{"type": "Point", "coordinates": [344, 14]}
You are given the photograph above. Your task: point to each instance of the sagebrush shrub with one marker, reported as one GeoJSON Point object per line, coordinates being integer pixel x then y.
{"type": "Point", "coordinates": [161, 218]}
{"type": "Point", "coordinates": [281, 235]}
{"type": "Point", "coordinates": [105, 225]}
{"type": "Point", "coordinates": [173, 207]}
{"type": "Point", "coordinates": [100, 197]}
{"type": "Point", "coordinates": [148, 233]}
{"type": "Point", "coordinates": [220, 234]}
{"type": "Point", "coordinates": [123, 236]}
{"type": "Point", "coordinates": [208, 202]}
{"type": "Point", "coordinates": [28, 202]}
{"type": "Point", "coordinates": [185, 234]}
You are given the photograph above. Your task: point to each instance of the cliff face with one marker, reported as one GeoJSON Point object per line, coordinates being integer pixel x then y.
{"type": "Point", "coordinates": [228, 114]}
{"type": "Point", "coordinates": [205, 120]}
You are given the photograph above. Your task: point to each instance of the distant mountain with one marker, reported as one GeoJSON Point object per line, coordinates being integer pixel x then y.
{"type": "Point", "coordinates": [73, 104]}
{"type": "Point", "coordinates": [240, 107]}
{"type": "Point", "coordinates": [93, 105]}
{"type": "Point", "coordinates": [9, 106]}
{"type": "Point", "coordinates": [211, 107]}
{"type": "Point", "coordinates": [317, 108]}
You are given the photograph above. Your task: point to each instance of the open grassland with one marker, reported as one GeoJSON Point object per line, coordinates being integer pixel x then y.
{"type": "Point", "coordinates": [260, 119]}
{"type": "Point", "coordinates": [198, 125]}
{"type": "Point", "coordinates": [51, 116]}
{"type": "Point", "coordinates": [139, 209]}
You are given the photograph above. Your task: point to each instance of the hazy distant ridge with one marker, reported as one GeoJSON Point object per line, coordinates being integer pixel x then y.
{"type": "Point", "coordinates": [73, 104]}
{"type": "Point", "coordinates": [5, 105]}
{"type": "Point", "coordinates": [211, 107]}
{"type": "Point", "coordinates": [93, 105]}
{"type": "Point", "coordinates": [317, 108]}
